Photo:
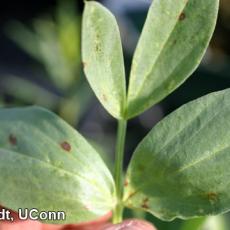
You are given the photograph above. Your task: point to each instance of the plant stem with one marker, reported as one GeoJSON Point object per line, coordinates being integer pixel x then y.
{"type": "Point", "coordinates": [118, 174]}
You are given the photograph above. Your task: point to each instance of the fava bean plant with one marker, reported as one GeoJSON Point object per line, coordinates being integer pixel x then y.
{"type": "Point", "coordinates": [179, 170]}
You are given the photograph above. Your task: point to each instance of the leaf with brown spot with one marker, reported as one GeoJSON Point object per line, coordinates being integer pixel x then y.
{"type": "Point", "coordinates": [159, 64]}
{"type": "Point", "coordinates": [186, 158]}
{"type": "Point", "coordinates": [101, 47]}
{"type": "Point", "coordinates": [52, 180]}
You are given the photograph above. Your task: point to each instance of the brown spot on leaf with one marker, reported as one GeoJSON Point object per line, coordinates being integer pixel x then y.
{"type": "Point", "coordinates": [66, 146]}
{"type": "Point", "coordinates": [104, 97]}
{"type": "Point", "coordinates": [98, 47]}
{"type": "Point", "coordinates": [12, 139]}
{"type": "Point", "coordinates": [126, 183]}
{"type": "Point", "coordinates": [131, 194]}
{"type": "Point", "coordinates": [182, 16]}
{"type": "Point", "coordinates": [212, 196]}
{"type": "Point", "coordinates": [141, 167]}
{"type": "Point", "coordinates": [145, 203]}
{"type": "Point", "coordinates": [84, 65]}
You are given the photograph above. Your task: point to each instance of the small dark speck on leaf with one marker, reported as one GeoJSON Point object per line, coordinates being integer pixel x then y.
{"type": "Point", "coordinates": [104, 97]}
{"type": "Point", "coordinates": [66, 146]}
{"type": "Point", "coordinates": [131, 194]}
{"type": "Point", "coordinates": [145, 204]}
{"type": "Point", "coordinates": [84, 65]}
{"type": "Point", "coordinates": [212, 196]}
{"type": "Point", "coordinates": [126, 183]}
{"type": "Point", "coordinates": [12, 139]}
{"type": "Point", "coordinates": [98, 48]}
{"type": "Point", "coordinates": [182, 16]}
{"type": "Point", "coordinates": [141, 167]}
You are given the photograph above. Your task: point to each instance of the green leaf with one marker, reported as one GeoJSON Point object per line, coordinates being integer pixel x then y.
{"type": "Point", "coordinates": [174, 39]}
{"type": "Point", "coordinates": [102, 57]}
{"type": "Point", "coordinates": [193, 224]}
{"type": "Point", "coordinates": [45, 164]}
{"type": "Point", "coordinates": [215, 223]}
{"type": "Point", "coordinates": [181, 168]}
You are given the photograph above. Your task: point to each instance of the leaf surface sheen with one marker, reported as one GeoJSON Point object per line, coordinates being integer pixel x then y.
{"type": "Point", "coordinates": [181, 168]}
{"type": "Point", "coordinates": [173, 41]}
{"type": "Point", "coordinates": [46, 164]}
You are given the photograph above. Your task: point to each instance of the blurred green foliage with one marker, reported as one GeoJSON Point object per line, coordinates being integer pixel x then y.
{"type": "Point", "coordinates": [54, 41]}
